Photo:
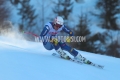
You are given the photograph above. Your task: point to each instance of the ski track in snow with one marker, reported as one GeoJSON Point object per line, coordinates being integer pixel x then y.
{"type": "Point", "coordinates": [25, 60]}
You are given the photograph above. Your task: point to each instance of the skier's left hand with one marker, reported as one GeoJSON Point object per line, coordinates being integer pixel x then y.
{"type": "Point", "coordinates": [68, 39]}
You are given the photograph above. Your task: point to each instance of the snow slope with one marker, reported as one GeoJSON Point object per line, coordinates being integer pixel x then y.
{"type": "Point", "coordinates": [24, 60]}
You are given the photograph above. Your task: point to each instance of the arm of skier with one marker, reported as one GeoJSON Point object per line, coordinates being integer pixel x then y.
{"type": "Point", "coordinates": [44, 32]}
{"type": "Point", "coordinates": [68, 31]}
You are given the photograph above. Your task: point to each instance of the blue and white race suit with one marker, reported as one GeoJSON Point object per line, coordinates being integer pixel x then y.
{"type": "Point", "coordinates": [49, 31]}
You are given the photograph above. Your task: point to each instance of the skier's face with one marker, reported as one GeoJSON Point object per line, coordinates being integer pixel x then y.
{"type": "Point", "coordinates": [57, 26]}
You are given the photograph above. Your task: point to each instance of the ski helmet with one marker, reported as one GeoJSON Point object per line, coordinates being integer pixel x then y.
{"type": "Point", "coordinates": [59, 20]}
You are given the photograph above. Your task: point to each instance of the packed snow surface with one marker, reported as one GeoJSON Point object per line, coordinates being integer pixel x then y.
{"type": "Point", "coordinates": [25, 60]}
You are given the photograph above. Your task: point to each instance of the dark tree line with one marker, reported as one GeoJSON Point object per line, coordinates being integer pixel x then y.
{"type": "Point", "coordinates": [109, 9]}
{"type": "Point", "coordinates": [83, 30]}
{"type": "Point", "coordinates": [4, 16]}
{"type": "Point", "coordinates": [27, 13]}
{"type": "Point", "coordinates": [4, 11]}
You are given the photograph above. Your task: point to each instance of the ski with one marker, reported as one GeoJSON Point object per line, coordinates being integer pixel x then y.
{"type": "Point", "coordinates": [78, 61]}
{"type": "Point", "coordinates": [73, 60]}
{"type": "Point", "coordinates": [97, 65]}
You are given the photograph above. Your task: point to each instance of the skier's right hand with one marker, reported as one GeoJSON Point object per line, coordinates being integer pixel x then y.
{"type": "Point", "coordinates": [54, 41]}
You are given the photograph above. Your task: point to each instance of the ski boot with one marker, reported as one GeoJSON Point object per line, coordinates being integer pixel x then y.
{"type": "Point", "coordinates": [63, 54]}
{"type": "Point", "coordinates": [83, 59]}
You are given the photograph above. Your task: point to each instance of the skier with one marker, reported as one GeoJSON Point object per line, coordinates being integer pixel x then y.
{"type": "Point", "coordinates": [52, 29]}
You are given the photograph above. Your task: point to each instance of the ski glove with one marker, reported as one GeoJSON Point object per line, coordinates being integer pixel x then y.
{"type": "Point", "coordinates": [68, 39]}
{"type": "Point", "coordinates": [54, 41]}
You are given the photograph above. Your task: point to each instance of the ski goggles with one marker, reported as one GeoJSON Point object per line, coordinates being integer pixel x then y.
{"type": "Point", "coordinates": [58, 25]}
